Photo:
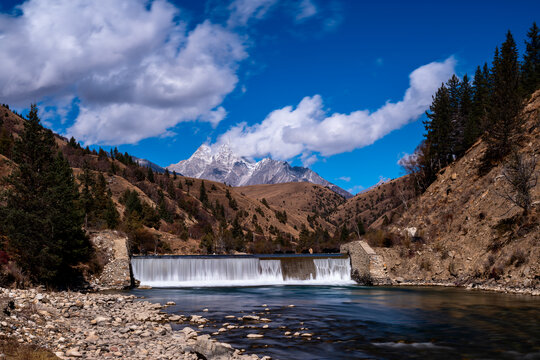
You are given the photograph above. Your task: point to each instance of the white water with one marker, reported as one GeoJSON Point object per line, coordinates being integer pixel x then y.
{"type": "Point", "coordinates": [195, 272]}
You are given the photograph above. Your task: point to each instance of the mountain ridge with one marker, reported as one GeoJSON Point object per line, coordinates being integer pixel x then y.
{"type": "Point", "coordinates": [223, 165]}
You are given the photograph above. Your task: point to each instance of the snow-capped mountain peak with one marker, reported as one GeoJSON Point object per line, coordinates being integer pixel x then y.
{"type": "Point", "coordinates": [224, 165]}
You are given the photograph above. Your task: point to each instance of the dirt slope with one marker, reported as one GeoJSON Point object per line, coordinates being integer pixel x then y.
{"type": "Point", "coordinates": [465, 232]}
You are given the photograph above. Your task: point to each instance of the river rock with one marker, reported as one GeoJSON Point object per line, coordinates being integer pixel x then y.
{"type": "Point", "coordinates": [254, 336]}
{"type": "Point", "coordinates": [101, 326]}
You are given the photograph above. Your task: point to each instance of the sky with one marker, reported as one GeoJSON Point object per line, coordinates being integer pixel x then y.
{"type": "Point", "coordinates": [338, 86]}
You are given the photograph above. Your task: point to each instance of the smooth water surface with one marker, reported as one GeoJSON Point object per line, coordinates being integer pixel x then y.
{"type": "Point", "coordinates": [353, 322]}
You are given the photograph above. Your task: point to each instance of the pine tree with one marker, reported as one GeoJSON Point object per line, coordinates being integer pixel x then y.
{"type": "Point", "coordinates": [530, 71]}
{"type": "Point", "coordinates": [203, 197]}
{"type": "Point", "coordinates": [111, 215]}
{"type": "Point", "coordinates": [150, 175]}
{"type": "Point", "coordinates": [505, 102]}
{"type": "Point", "coordinates": [471, 128]}
{"type": "Point", "coordinates": [163, 210]}
{"type": "Point", "coordinates": [457, 122]}
{"type": "Point", "coordinates": [438, 128]}
{"type": "Point", "coordinates": [87, 199]}
{"type": "Point", "coordinates": [171, 190]}
{"type": "Point", "coordinates": [237, 229]}
{"type": "Point", "coordinates": [41, 214]}
{"type": "Point", "coordinates": [481, 89]}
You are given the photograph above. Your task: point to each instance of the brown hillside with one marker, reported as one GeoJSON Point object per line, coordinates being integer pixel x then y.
{"type": "Point", "coordinates": [6, 166]}
{"type": "Point", "coordinates": [261, 225]}
{"type": "Point", "coordinates": [299, 200]}
{"type": "Point", "coordinates": [388, 200]}
{"type": "Point", "coordinates": [465, 231]}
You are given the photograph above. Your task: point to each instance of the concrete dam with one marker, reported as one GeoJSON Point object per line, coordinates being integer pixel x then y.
{"type": "Point", "coordinates": [242, 270]}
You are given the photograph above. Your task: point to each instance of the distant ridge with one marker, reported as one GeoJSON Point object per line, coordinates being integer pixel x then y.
{"type": "Point", "coordinates": [225, 166]}
{"type": "Point", "coordinates": [147, 163]}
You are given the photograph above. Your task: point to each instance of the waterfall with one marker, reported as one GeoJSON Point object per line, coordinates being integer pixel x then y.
{"type": "Point", "coordinates": [195, 271]}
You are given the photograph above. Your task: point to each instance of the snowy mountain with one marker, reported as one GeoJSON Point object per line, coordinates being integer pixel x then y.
{"type": "Point", "coordinates": [225, 166]}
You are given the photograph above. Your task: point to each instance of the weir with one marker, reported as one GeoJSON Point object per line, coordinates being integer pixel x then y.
{"type": "Point", "coordinates": [242, 270]}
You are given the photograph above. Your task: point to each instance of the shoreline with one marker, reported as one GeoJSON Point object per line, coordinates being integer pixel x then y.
{"type": "Point", "coordinates": [76, 325]}
{"type": "Point", "coordinates": [497, 288]}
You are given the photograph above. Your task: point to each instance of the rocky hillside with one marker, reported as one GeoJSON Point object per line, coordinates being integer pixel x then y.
{"type": "Point", "coordinates": [463, 231]}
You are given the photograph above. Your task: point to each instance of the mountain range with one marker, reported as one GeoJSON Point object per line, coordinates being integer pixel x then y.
{"type": "Point", "coordinates": [223, 165]}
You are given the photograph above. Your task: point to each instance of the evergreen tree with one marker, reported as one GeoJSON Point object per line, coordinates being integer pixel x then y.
{"type": "Point", "coordinates": [203, 197]}
{"type": "Point", "coordinates": [87, 200]}
{"type": "Point", "coordinates": [237, 229]}
{"type": "Point", "coordinates": [163, 210]}
{"type": "Point", "coordinates": [73, 143]}
{"type": "Point", "coordinates": [171, 190]}
{"type": "Point", "coordinates": [111, 215]}
{"type": "Point", "coordinates": [457, 122]}
{"type": "Point", "coordinates": [41, 214]}
{"type": "Point", "coordinates": [530, 71]}
{"type": "Point", "coordinates": [150, 175]}
{"type": "Point", "coordinates": [505, 102]}
{"type": "Point", "coordinates": [438, 128]}
{"type": "Point", "coordinates": [344, 235]}
{"type": "Point", "coordinates": [471, 127]}
{"type": "Point", "coordinates": [481, 89]}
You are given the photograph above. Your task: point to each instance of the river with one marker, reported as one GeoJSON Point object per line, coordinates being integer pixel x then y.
{"type": "Point", "coordinates": [354, 322]}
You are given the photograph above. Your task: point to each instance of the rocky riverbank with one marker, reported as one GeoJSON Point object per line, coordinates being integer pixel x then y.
{"type": "Point", "coordinates": [99, 326]}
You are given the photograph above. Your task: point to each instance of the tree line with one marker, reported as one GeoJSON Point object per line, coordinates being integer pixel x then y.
{"type": "Point", "coordinates": [462, 111]}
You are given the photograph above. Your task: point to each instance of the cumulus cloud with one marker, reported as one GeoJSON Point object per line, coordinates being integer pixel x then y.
{"type": "Point", "coordinates": [136, 70]}
{"type": "Point", "coordinates": [288, 132]}
{"type": "Point", "coordinates": [306, 9]}
{"type": "Point", "coordinates": [241, 11]}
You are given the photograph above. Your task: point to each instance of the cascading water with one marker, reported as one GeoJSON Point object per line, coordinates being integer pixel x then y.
{"type": "Point", "coordinates": [240, 271]}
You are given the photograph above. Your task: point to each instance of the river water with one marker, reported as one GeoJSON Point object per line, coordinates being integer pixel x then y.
{"type": "Point", "coordinates": [354, 322]}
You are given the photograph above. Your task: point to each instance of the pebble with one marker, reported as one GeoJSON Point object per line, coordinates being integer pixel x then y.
{"type": "Point", "coordinates": [99, 326]}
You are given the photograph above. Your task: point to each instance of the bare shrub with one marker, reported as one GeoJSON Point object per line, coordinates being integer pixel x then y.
{"type": "Point", "coordinates": [425, 264]}
{"type": "Point", "coordinates": [517, 258]}
{"type": "Point", "coordinates": [452, 268]}
{"type": "Point", "coordinates": [520, 175]}
{"type": "Point", "coordinates": [496, 272]}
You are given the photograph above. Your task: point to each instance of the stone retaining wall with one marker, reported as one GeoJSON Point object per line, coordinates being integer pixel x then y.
{"type": "Point", "coordinates": [367, 268]}
{"type": "Point", "coordinates": [116, 272]}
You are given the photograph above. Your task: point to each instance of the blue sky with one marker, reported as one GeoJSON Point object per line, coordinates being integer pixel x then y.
{"type": "Point", "coordinates": [319, 83]}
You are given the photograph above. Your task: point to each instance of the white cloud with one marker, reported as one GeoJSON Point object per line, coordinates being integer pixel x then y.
{"type": "Point", "coordinates": [288, 132]}
{"type": "Point", "coordinates": [243, 10]}
{"type": "Point", "coordinates": [136, 70]}
{"type": "Point", "coordinates": [306, 9]}
{"type": "Point", "coordinates": [345, 178]}
{"type": "Point", "coordinates": [308, 159]}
